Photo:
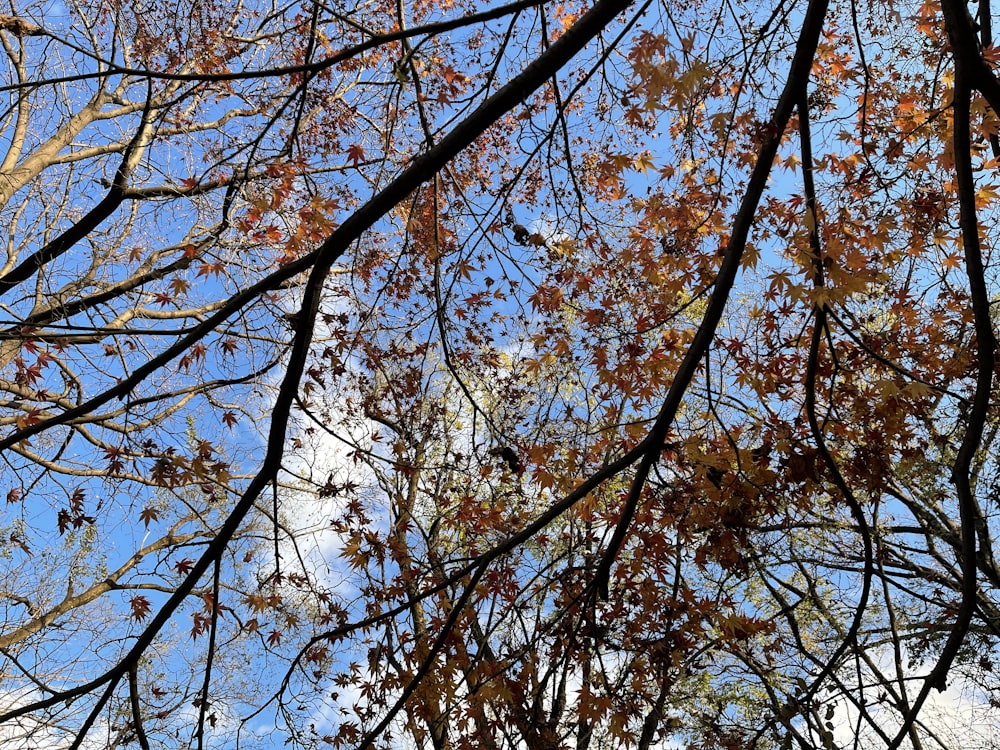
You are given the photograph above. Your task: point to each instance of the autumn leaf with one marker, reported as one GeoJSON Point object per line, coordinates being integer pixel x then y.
{"type": "Point", "coordinates": [149, 515]}
{"type": "Point", "coordinates": [140, 607]}
{"type": "Point", "coordinates": [355, 154]}
{"type": "Point", "coordinates": [643, 163]}
{"type": "Point", "coordinates": [206, 270]}
{"type": "Point", "coordinates": [258, 603]}
{"type": "Point", "coordinates": [179, 286]}
{"type": "Point", "coordinates": [952, 261]}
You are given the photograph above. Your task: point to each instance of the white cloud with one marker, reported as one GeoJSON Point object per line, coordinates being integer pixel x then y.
{"type": "Point", "coordinates": [959, 718]}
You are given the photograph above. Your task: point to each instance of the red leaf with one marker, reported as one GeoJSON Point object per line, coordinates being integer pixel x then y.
{"type": "Point", "coordinates": [141, 607]}
{"type": "Point", "coordinates": [355, 154]}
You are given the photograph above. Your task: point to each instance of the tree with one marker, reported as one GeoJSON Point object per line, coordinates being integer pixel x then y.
{"type": "Point", "coordinates": [531, 375]}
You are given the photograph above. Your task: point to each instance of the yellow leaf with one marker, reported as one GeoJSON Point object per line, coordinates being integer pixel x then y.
{"type": "Point", "coordinates": [809, 219]}
{"type": "Point", "coordinates": [918, 390]}
{"type": "Point", "coordinates": [643, 163]}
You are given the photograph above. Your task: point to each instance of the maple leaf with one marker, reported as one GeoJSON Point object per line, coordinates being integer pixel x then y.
{"type": "Point", "coordinates": [28, 419]}
{"type": "Point", "coordinates": [216, 269]}
{"type": "Point", "coordinates": [952, 261]}
{"type": "Point", "coordinates": [149, 515]}
{"type": "Point", "coordinates": [141, 607]}
{"type": "Point", "coordinates": [179, 286]}
{"type": "Point", "coordinates": [643, 163]}
{"type": "Point", "coordinates": [257, 602]}
{"type": "Point", "coordinates": [355, 154]}
{"type": "Point", "coordinates": [199, 624]}
{"type": "Point", "coordinates": [64, 521]}
{"type": "Point", "coordinates": [115, 457]}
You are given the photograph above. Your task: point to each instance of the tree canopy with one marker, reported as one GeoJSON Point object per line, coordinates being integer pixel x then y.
{"type": "Point", "coordinates": [444, 374]}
